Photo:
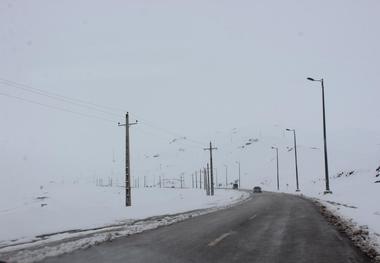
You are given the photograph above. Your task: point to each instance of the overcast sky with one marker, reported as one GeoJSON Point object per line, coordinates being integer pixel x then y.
{"type": "Point", "coordinates": [187, 68]}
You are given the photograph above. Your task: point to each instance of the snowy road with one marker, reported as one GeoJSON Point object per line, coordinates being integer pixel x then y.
{"type": "Point", "coordinates": [269, 228]}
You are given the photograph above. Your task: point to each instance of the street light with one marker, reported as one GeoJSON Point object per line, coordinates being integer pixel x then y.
{"type": "Point", "coordinates": [239, 173]}
{"type": "Point", "coordinates": [327, 191]}
{"type": "Point", "coordinates": [295, 155]}
{"type": "Point", "coordinates": [226, 175]}
{"type": "Point", "coordinates": [278, 171]}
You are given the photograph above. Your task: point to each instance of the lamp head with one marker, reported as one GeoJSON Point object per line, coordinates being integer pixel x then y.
{"type": "Point", "coordinates": [311, 79]}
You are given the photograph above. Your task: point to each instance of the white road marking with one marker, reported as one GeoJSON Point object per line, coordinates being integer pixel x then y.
{"type": "Point", "coordinates": [252, 217]}
{"type": "Point", "coordinates": [216, 241]}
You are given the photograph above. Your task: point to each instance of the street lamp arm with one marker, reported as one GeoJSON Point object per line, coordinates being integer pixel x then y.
{"type": "Point", "coordinates": [311, 79]}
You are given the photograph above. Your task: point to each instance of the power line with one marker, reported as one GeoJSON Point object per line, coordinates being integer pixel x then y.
{"type": "Point", "coordinates": [62, 96]}
{"type": "Point", "coordinates": [55, 107]}
{"type": "Point", "coordinates": [114, 111]}
{"type": "Point", "coordinates": [55, 96]}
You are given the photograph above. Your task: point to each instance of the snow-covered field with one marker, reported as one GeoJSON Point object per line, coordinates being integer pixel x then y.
{"type": "Point", "coordinates": [65, 210]}
{"type": "Point", "coordinates": [63, 207]}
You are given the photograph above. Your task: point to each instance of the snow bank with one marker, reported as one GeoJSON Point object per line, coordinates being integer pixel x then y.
{"type": "Point", "coordinates": [354, 201]}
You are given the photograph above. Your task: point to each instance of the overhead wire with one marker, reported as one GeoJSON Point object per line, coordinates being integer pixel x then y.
{"type": "Point", "coordinates": [55, 107]}
{"type": "Point", "coordinates": [111, 111]}
{"type": "Point", "coordinates": [56, 96]}
{"type": "Point", "coordinates": [114, 111]}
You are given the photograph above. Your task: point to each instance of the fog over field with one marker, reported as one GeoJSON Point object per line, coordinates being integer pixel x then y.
{"type": "Point", "coordinates": [220, 71]}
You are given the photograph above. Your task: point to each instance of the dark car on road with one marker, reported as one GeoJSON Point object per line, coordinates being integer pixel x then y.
{"type": "Point", "coordinates": [257, 189]}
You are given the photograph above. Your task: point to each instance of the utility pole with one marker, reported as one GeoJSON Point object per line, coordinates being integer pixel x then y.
{"type": "Point", "coordinates": [128, 200]}
{"type": "Point", "coordinates": [211, 167]}
{"type": "Point", "coordinates": [239, 174]}
{"type": "Point", "coordinates": [278, 170]}
{"type": "Point", "coordinates": [207, 180]}
{"type": "Point", "coordinates": [216, 177]}
{"type": "Point", "coordinates": [226, 175]}
{"type": "Point", "coordinates": [196, 179]}
{"type": "Point", "coordinates": [200, 178]}
{"type": "Point", "coordinates": [204, 180]}
{"type": "Point", "coordinates": [192, 180]}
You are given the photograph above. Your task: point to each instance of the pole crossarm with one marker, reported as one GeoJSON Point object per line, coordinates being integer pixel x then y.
{"type": "Point", "coordinates": [124, 124]}
{"type": "Point", "coordinates": [209, 149]}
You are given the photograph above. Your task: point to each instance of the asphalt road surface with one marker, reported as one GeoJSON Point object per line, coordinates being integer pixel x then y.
{"type": "Point", "coordinates": [269, 228]}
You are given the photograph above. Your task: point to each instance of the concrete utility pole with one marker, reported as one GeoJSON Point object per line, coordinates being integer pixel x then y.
{"type": "Point", "coordinates": [207, 181]}
{"type": "Point", "coordinates": [200, 178]}
{"type": "Point", "coordinates": [128, 200]}
{"type": "Point", "coordinates": [226, 175]}
{"type": "Point", "coordinates": [196, 179]}
{"type": "Point", "coordinates": [278, 170]}
{"type": "Point", "coordinates": [216, 178]}
{"type": "Point", "coordinates": [238, 162]}
{"type": "Point", "coordinates": [192, 180]}
{"type": "Point", "coordinates": [209, 187]}
{"type": "Point", "coordinates": [211, 167]}
{"type": "Point", "coordinates": [204, 180]}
